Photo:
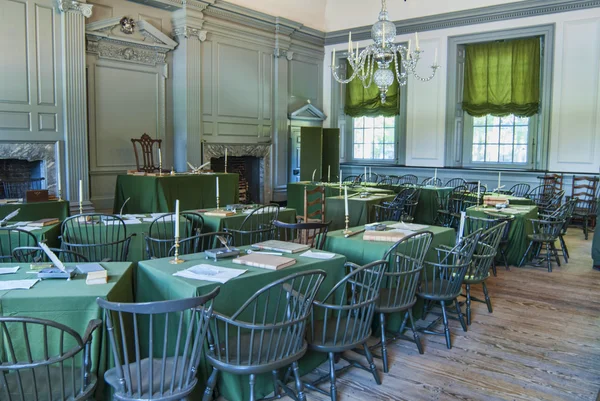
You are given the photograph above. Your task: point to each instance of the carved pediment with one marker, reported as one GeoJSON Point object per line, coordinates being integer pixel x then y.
{"type": "Point", "coordinates": [308, 112]}
{"type": "Point", "coordinates": [132, 41]}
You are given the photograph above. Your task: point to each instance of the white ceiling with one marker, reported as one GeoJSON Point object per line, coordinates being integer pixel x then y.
{"type": "Point", "coordinates": [333, 15]}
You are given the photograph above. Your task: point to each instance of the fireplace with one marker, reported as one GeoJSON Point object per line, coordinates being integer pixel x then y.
{"type": "Point", "coordinates": [253, 161]}
{"type": "Point", "coordinates": [18, 176]}
{"type": "Point", "coordinates": [29, 162]}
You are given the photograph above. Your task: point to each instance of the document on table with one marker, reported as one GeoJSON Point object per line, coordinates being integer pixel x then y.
{"type": "Point", "coordinates": [9, 270]}
{"type": "Point", "coordinates": [126, 221]}
{"type": "Point", "coordinates": [318, 255]}
{"type": "Point", "coordinates": [29, 228]}
{"type": "Point", "coordinates": [17, 284]}
{"type": "Point", "coordinates": [210, 273]}
{"type": "Point", "coordinates": [408, 226]}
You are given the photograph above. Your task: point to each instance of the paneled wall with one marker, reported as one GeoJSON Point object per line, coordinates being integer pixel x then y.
{"type": "Point", "coordinates": [30, 71]}
{"type": "Point", "coordinates": [574, 132]}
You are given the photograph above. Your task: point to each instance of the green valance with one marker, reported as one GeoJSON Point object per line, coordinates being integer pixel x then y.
{"type": "Point", "coordinates": [502, 78]}
{"type": "Point", "coordinates": [361, 102]}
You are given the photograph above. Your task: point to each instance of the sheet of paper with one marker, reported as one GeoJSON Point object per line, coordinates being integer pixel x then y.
{"type": "Point", "coordinates": [17, 284]}
{"type": "Point", "coordinates": [126, 221]}
{"type": "Point", "coordinates": [155, 215]}
{"type": "Point", "coordinates": [210, 273]}
{"type": "Point", "coordinates": [85, 268]}
{"type": "Point", "coordinates": [133, 216]}
{"type": "Point", "coordinates": [409, 226]}
{"type": "Point", "coordinates": [28, 228]}
{"type": "Point", "coordinates": [9, 270]}
{"type": "Point", "coordinates": [318, 255]}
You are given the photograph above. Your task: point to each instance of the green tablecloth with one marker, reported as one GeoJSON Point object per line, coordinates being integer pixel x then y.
{"type": "Point", "coordinates": [151, 194]}
{"type": "Point", "coordinates": [72, 303]}
{"type": "Point", "coordinates": [362, 252]}
{"type": "Point", "coordinates": [521, 227]}
{"type": "Point", "coordinates": [36, 210]}
{"type": "Point", "coordinates": [49, 233]}
{"type": "Point", "coordinates": [426, 210]}
{"type": "Point", "coordinates": [155, 282]}
{"type": "Point", "coordinates": [361, 210]}
{"type": "Point", "coordinates": [295, 192]}
{"type": "Point", "coordinates": [214, 223]}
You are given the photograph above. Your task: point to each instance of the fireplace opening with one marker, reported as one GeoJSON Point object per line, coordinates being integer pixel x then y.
{"type": "Point", "coordinates": [18, 176]}
{"type": "Point", "coordinates": [248, 169]}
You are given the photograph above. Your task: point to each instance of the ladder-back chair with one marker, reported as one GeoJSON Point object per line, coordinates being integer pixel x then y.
{"type": "Point", "coordinates": [144, 160]}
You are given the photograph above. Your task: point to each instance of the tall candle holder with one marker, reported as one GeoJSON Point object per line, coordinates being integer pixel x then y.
{"type": "Point", "coordinates": [80, 207]}
{"type": "Point", "coordinates": [59, 195]}
{"type": "Point", "coordinates": [347, 230]}
{"type": "Point", "coordinates": [160, 167]}
{"type": "Point", "coordinates": [218, 209]}
{"type": "Point", "coordinates": [176, 260]}
{"type": "Point", "coordinates": [225, 166]}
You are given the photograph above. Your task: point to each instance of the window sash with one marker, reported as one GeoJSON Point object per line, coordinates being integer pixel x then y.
{"type": "Point", "coordinates": [386, 144]}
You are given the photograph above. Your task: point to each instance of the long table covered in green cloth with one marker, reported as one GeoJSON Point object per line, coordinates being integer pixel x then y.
{"type": "Point", "coordinates": [72, 303]}
{"type": "Point", "coordinates": [50, 234]}
{"type": "Point", "coordinates": [295, 192]}
{"type": "Point", "coordinates": [152, 194]}
{"type": "Point", "coordinates": [426, 210]}
{"type": "Point", "coordinates": [36, 210]}
{"type": "Point", "coordinates": [155, 282]}
{"type": "Point", "coordinates": [362, 252]}
{"type": "Point", "coordinates": [520, 229]}
{"type": "Point", "coordinates": [216, 223]}
{"type": "Point", "coordinates": [360, 210]}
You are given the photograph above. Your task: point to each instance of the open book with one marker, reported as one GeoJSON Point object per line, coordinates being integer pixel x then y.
{"type": "Point", "coordinates": [281, 246]}
{"type": "Point", "coordinates": [271, 262]}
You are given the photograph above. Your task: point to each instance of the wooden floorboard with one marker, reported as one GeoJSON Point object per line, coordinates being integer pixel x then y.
{"type": "Point", "coordinates": [542, 342]}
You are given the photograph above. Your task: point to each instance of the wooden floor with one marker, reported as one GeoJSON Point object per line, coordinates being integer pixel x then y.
{"type": "Point", "coordinates": [542, 342]}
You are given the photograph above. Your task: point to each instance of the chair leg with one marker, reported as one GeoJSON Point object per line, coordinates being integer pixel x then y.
{"type": "Point", "coordinates": [210, 385]}
{"type": "Point", "coordinates": [372, 366]}
{"type": "Point", "coordinates": [414, 330]}
{"type": "Point", "coordinates": [446, 328]}
{"type": "Point", "coordinates": [548, 258]}
{"type": "Point", "coordinates": [565, 248]}
{"type": "Point", "coordinates": [554, 253]}
{"type": "Point", "coordinates": [384, 354]}
{"type": "Point", "coordinates": [494, 271]}
{"type": "Point", "coordinates": [488, 301]}
{"type": "Point", "coordinates": [585, 228]}
{"type": "Point", "coordinates": [252, 382]}
{"type": "Point", "coordinates": [468, 293]}
{"type": "Point", "coordinates": [504, 259]}
{"type": "Point", "coordinates": [299, 385]}
{"type": "Point", "coordinates": [275, 384]}
{"type": "Point", "coordinates": [333, 388]}
{"type": "Point", "coordinates": [460, 316]}
{"type": "Point", "coordinates": [403, 325]}
{"type": "Point", "coordinates": [526, 253]}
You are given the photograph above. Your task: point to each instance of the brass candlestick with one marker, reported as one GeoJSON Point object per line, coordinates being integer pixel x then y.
{"type": "Point", "coordinates": [172, 170]}
{"type": "Point", "coordinates": [59, 195]}
{"type": "Point", "coordinates": [347, 230]}
{"type": "Point", "coordinates": [160, 167]}
{"type": "Point", "coordinates": [176, 260]}
{"type": "Point", "coordinates": [218, 203]}
{"type": "Point", "coordinates": [225, 166]}
{"type": "Point", "coordinates": [80, 207]}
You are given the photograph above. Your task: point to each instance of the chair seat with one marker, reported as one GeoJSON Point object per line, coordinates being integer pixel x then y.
{"type": "Point", "coordinates": [472, 279]}
{"type": "Point", "coordinates": [328, 342]}
{"type": "Point", "coordinates": [427, 291]}
{"type": "Point", "coordinates": [263, 358]}
{"type": "Point", "coordinates": [385, 302]}
{"type": "Point", "coordinates": [541, 238]}
{"type": "Point", "coordinates": [41, 384]}
{"type": "Point", "coordinates": [113, 380]}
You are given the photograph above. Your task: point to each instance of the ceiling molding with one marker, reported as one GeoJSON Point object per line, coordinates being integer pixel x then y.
{"type": "Point", "coordinates": [521, 9]}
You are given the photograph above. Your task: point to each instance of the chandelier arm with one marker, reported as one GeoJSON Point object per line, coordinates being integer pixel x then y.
{"type": "Point", "coordinates": [425, 79]}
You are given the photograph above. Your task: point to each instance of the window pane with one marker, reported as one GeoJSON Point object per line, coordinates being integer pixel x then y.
{"type": "Point", "coordinates": [369, 136]}
{"type": "Point", "coordinates": [479, 135]}
{"type": "Point", "coordinates": [506, 135]}
{"type": "Point", "coordinates": [368, 151]}
{"type": "Point", "coordinates": [389, 135]}
{"type": "Point", "coordinates": [493, 120]}
{"type": "Point", "coordinates": [358, 151]}
{"type": "Point", "coordinates": [508, 120]}
{"type": "Point", "coordinates": [478, 153]}
{"type": "Point", "coordinates": [358, 136]}
{"type": "Point", "coordinates": [521, 134]}
{"type": "Point", "coordinates": [389, 152]}
{"type": "Point", "coordinates": [520, 154]}
{"type": "Point", "coordinates": [491, 153]}
{"type": "Point", "coordinates": [368, 122]}
{"type": "Point", "coordinates": [478, 120]}
{"type": "Point", "coordinates": [359, 122]}
{"type": "Point", "coordinates": [378, 122]}
{"type": "Point", "coordinates": [493, 134]}
{"type": "Point", "coordinates": [378, 137]}
{"type": "Point", "coordinates": [378, 151]}
{"type": "Point", "coordinates": [521, 120]}
{"type": "Point", "coordinates": [390, 121]}
{"type": "Point", "coordinates": [506, 153]}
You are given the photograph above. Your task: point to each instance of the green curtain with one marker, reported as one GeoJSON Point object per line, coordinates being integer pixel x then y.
{"type": "Point", "coordinates": [502, 78]}
{"type": "Point", "coordinates": [362, 102]}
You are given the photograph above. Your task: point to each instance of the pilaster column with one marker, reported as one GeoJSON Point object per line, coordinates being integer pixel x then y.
{"type": "Point", "coordinates": [187, 86]}
{"type": "Point", "coordinates": [74, 14]}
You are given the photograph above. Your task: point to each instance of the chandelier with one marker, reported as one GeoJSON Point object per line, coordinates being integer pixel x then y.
{"type": "Point", "coordinates": [383, 52]}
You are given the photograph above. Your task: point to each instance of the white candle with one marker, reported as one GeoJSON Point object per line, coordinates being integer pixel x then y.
{"type": "Point", "coordinates": [478, 191]}
{"type": "Point", "coordinates": [329, 173]}
{"type": "Point", "coordinates": [435, 177]}
{"type": "Point", "coordinates": [499, 179]}
{"type": "Point", "coordinates": [217, 187]}
{"type": "Point", "coordinates": [350, 43]}
{"type": "Point", "coordinates": [159, 158]}
{"type": "Point", "coordinates": [409, 46]}
{"type": "Point", "coordinates": [365, 175]}
{"type": "Point", "coordinates": [417, 41]}
{"type": "Point", "coordinates": [80, 191]}
{"type": "Point", "coordinates": [225, 155]}
{"type": "Point", "coordinates": [58, 171]}
{"type": "Point", "coordinates": [340, 178]}
{"type": "Point", "coordinates": [177, 218]}
{"type": "Point", "coordinates": [333, 60]}
{"type": "Point", "coordinates": [313, 176]}
{"type": "Point", "coordinates": [461, 227]}
{"type": "Point", "coordinates": [370, 173]}
{"type": "Point", "coordinates": [346, 201]}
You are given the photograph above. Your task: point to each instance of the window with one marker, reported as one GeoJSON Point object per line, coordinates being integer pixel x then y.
{"type": "Point", "coordinates": [499, 140]}
{"type": "Point", "coordinates": [374, 138]}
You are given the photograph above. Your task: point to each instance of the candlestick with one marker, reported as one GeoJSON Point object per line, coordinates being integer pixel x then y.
{"type": "Point", "coordinates": [172, 170]}
{"type": "Point", "coordinates": [347, 230]}
{"type": "Point", "coordinates": [499, 179]}
{"type": "Point", "coordinates": [176, 233]}
{"type": "Point", "coordinates": [225, 159]}
{"type": "Point", "coordinates": [329, 173]}
{"type": "Point", "coordinates": [159, 162]}
{"type": "Point", "coordinates": [176, 260]}
{"type": "Point", "coordinates": [435, 177]}
{"type": "Point", "coordinates": [80, 196]}
{"type": "Point", "coordinates": [478, 191]}
{"type": "Point", "coordinates": [58, 172]}
{"type": "Point", "coordinates": [218, 193]}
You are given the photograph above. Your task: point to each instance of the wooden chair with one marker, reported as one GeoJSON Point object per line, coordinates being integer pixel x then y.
{"type": "Point", "coordinates": [253, 342]}
{"type": "Point", "coordinates": [146, 146]}
{"type": "Point", "coordinates": [585, 189]}
{"type": "Point", "coordinates": [314, 205]}
{"type": "Point", "coordinates": [11, 238]}
{"type": "Point", "coordinates": [160, 240]}
{"type": "Point", "coordinates": [45, 360]}
{"type": "Point", "coordinates": [545, 234]}
{"type": "Point", "coordinates": [408, 179]}
{"type": "Point", "coordinates": [520, 190]}
{"type": "Point", "coordinates": [432, 181]}
{"type": "Point", "coordinates": [455, 182]}
{"type": "Point", "coordinates": [35, 254]}
{"type": "Point", "coordinates": [313, 234]}
{"type": "Point", "coordinates": [168, 343]}
{"type": "Point", "coordinates": [256, 227]}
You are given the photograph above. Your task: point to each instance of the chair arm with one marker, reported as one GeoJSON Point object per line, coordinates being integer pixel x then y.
{"type": "Point", "coordinates": [92, 326]}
